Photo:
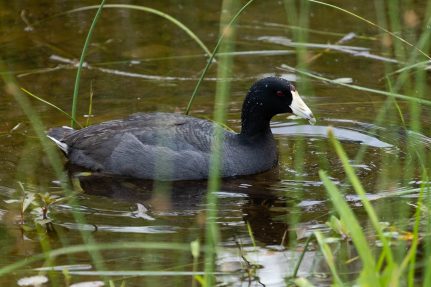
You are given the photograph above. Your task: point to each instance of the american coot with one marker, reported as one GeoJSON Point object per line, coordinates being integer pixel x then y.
{"type": "Point", "coordinates": [166, 146]}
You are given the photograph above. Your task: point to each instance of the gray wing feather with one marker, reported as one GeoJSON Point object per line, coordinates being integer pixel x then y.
{"type": "Point", "coordinates": [132, 157]}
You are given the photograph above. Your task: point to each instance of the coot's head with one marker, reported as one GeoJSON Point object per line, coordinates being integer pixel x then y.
{"type": "Point", "coordinates": [271, 96]}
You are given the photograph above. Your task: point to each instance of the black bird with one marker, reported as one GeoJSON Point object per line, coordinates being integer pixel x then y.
{"type": "Point", "coordinates": [167, 146]}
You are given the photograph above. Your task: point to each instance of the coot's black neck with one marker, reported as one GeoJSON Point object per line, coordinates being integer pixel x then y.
{"type": "Point", "coordinates": [254, 119]}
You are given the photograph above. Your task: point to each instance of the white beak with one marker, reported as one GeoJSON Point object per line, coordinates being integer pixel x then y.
{"type": "Point", "coordinates": [300, 109]}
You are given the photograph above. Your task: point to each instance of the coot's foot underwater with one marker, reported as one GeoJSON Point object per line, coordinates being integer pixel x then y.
{"type": "Point", "coordinates": [167, 146]}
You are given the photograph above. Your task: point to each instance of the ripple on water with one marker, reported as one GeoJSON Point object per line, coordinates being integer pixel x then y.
{"type": "Point", "coordinates": [342, 134]}
{"type": "Point", "coordinates": [121, 229]}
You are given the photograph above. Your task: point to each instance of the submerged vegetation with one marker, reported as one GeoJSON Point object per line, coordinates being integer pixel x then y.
{"type": "Point", "coordinates": [368, 168]}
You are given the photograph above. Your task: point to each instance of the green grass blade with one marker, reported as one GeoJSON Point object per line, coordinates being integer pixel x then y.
{"type": "Point", "coordinates": [52, 155]}
{"type": "Point", "coordinates": [329, 257]}
{"type": "Point", "coordinates": [92, 247]}
{"type": "Point", "coordinates": [81, 62]}
{"type": "Point", "coordinates": [220, 107]}
{"type": "Point", "coordinates": [410, 258]}
{"type": "Point", "coordinates": [353, 178]}
{"type": "Point", "coordinates": [356, 87]}
{"type": "Point", "coordinates": [358, 236]}
{"type": "Point", "coordinates": [152, 11]}
{"type": "Point", "coordinates": [90, 105]}
{"type": "Point", "coordinates": [50, 104]}
{"type": "Point", "coordinates": [12, 88]}
{"type": "Point", "coordinates": [372, 24]}
{"type": "Point", "coordinates": [298, 264]}
{"type": "Point", "coordinates": [210, 61]}
{"type": "Point", "coordinates": [422, 64]}
{"type": "Point", "coordinates": [397, 106]}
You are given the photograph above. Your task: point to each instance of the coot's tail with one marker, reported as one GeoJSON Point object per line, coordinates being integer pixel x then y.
{"type": "Point", "coordinates": [57, 135]}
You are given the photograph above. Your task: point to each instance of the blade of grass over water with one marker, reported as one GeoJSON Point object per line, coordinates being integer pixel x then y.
{"type": "Point", "coordinates": [410, 259]}
{"type": "Point", "coordinates": [426, 277]}
{"type": "Point", "coordinates": [422, 43]}
{"type": "Point", "coordinates": [27, 72]}
{"type": "Point", "coordinates": [355, 229]}
{"type": "Point", "coordinates": [12, 88]}
{"type": "Point", "coordinates": [90, 105]}
{"type": "Point", "coordinates": [397, 106]}
{"type": "Point", "coordinates": [314, 31]}
{"type": "Point", "coordinates": [297, 13]}
{"type": "Point", "coordinates": [215, 51]}
{"type": "Point", "coordinates": [356, 87]}
{"type": "Point", "coordinates": [93, 247]}
{"type": "Point", "coordinates": [372, 24]}
{"type": "Point", "coordinates": [81, 62]}
{"type": "Point", "coordinates": [422, 64]}
{"type": "Point", "coordinates": [134, 273]}
{"type": "Point", "coordinates": [356, 183]}
{"type": "Point", "coordinates": [148, 10]}
{"type": "Point", "coordinates": [51, 105]}
{"type": "Point", "coordinates": [220, 111]}
{"type": "Point", "coordinates": [298, 264]}
{"type": "Point", "coordinates": [329, 257]}
{"type": "Point", "coordinates": [53, 158]}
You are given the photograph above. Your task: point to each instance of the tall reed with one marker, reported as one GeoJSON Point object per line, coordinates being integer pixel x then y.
{"type": "Point", "coordinates": [227, 33]}
{"type": "Point", "coordinates": [81, 62]}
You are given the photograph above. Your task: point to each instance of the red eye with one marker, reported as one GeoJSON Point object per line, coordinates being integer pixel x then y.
{"type": "Point", "coordinates": [280, 94]}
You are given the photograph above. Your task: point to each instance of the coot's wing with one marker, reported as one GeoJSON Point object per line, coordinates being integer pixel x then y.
{"type": "Point", "coordinates": [139, 142]}
{"type": "Point", "coordinates": [175, 131]}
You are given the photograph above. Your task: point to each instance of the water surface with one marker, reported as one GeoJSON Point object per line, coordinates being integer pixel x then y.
{"type": "Point", "coordinates": [139, 62]}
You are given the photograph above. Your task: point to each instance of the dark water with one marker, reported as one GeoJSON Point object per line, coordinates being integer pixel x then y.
{"type": "Point", "coordinates": [141, 62]}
